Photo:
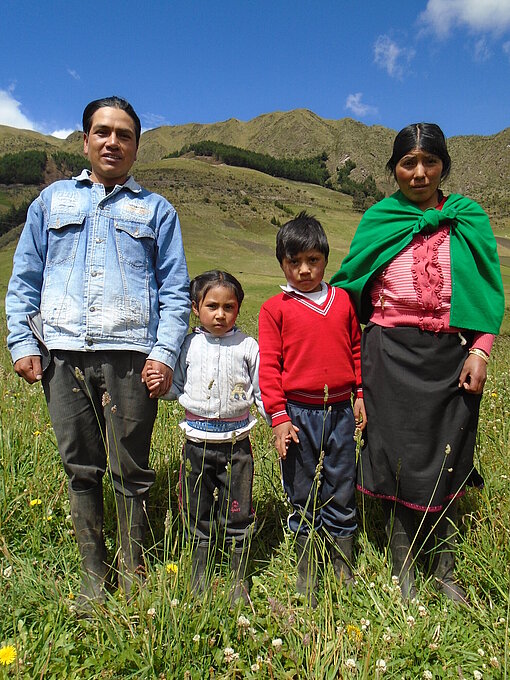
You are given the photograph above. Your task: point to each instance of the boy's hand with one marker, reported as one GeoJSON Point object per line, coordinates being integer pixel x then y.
{"type": "Point", "coordinates": [283, 434]}
{"type": "Point", "coordinates": [158, 378]}
{"type": "Point", "coordinates": [360, 414]}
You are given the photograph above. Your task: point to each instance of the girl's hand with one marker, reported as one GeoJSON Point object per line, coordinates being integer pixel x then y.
{"type": "Point", "coordinates": [158, 378]}
{"type": "Point", "coordinates": [360, 414]}
{"type": "Point", "coordinates": [283, 434]}
{"type": "Point", "coordinates": [473, 375]}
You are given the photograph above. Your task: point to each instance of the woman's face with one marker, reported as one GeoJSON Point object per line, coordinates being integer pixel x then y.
{"type": "Point", "coordinates": [418, 175]}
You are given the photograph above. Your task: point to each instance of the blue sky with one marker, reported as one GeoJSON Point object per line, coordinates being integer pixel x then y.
{"type": "Point", "coordinates": [181, 61]}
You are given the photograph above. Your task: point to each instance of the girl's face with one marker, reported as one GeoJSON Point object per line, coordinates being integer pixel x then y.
{"type": "Point", "coordinates": [418, 175]}
{"type": "Point", "coordinates": [217, 310]}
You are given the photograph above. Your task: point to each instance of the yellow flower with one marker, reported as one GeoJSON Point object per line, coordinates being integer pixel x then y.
{"type": "Point", "coordinates": [35, 501]}
{"type": "Point", "coordinates": [354, 633]}
{"type": "Point", "coordinates": [37, 433]}
{"type": "Point", "coordinates": [172, 568]}
{"type": "Point", "coordinates": [7, 655]}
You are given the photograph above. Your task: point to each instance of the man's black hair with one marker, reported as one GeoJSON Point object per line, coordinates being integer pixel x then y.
{"type": "Point", "coordinates": [302, 233]}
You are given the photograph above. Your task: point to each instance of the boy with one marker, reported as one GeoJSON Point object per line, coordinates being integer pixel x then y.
{"type": "Point", "coordinates": [309, 339]}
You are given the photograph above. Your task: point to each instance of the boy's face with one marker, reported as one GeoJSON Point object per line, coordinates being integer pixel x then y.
{"type": "Point", "coordinates": [305, 270]}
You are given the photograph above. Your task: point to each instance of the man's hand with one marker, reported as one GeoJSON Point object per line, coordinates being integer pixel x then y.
{"type": "Point", "coordinates": [29, 368]}
{"type": "Point", "coordinates": [283, 434]}
{"type": "Point", "coordinates": [157, 387]}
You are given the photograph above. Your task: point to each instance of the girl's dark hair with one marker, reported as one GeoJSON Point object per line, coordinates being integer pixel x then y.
{"type": "Point", "coordinates": [202, 284]}
{"type": "Point", "coordinates": [424, 136]}
{"type": "Point", "coordinates": [302, 233]}
{"type": "Point", "coordinates": [114, 103]}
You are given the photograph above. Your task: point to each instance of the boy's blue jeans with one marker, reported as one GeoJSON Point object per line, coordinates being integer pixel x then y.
{"type": "Point", "coordinates": [322, 499]}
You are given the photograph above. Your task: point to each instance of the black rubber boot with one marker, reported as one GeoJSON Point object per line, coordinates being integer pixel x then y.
{"type": "Point", "coordinates": [199, 561]}
{"type": "Point", "coordinates": [446, 540]}
{"type": "Point", "coordinates": [240, 585]}
{"type": "Point", "coordinates": [341, 559]}
{"type": "Point", "coordinates": [306, 583]}
{"type": "Point", "coordinates": [132, 524]}
{"type": "Point", "coordinates": [400, 529]}
{"type": "Point", "coordinates": [87, 515]}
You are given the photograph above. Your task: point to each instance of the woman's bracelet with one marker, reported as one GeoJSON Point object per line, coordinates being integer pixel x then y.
{"type": "Point", "coordinates": [479, 353]}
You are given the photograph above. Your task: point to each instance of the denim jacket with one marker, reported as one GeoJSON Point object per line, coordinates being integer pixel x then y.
{"type": "Point", "coordinates": [107, 272]}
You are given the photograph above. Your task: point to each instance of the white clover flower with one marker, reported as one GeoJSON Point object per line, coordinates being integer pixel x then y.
{"type": "Point", "coordinates": [255, 667]}
{"type": "Point", "coordinates": [481, 652]}
{"type": "Point", "coordinates": [371, 584]}
{"type": "Point", "coordinates": [229, 655]}
{"type": "Point", "coordinates": [174, 602]}
{"type": "Point", "coordinates": [422, 610]}
{"type": "Point", "coordinates": [427, 675]}
{"type": "Point", "coordinates": [151, 612]}
{"type": "Point", "coordinates": [365, 623]}
{"type": "Point", "coordinates": [243, 622]}
{"type": "Point", "coordinates": [8, 571]}
{"type": "Point", "coordinates": [411, 621]}
{"type": "Point", "coordinates": [350, 664]}
{"type": "Point", "coordinates": [277, 644]}
{"type": "Point", "coordinates": [394, 580]}
{"type": "Point", "coordinates": [386, 637]}
{"type": "Point", "coordinates": [477, 675]}
{"type": "Point", "coordinates": [380, 666]}
{"type": "Point", "coordinates": [494, 662]}
{"type": "Point", "coordinates": [196, 638]}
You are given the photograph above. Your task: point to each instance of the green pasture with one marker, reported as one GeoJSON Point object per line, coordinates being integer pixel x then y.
{"type": "Point", "coordinates": [165, 632]}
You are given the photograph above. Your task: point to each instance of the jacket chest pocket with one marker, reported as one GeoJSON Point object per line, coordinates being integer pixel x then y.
{"type": "Point", "coordinates": [135, 242]}
{"type": "Point", "coordinates": [64, 233]}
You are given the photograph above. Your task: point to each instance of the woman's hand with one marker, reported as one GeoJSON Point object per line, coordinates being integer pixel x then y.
{"type": "Point", "coordinates": [473, 375]}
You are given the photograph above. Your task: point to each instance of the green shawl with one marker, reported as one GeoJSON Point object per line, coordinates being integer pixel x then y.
{"type": "Point", "coordinates": [477, 301]}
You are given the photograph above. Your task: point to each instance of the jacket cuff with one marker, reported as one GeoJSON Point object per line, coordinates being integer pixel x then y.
{"type": "Point", "coordinates": [26, 349]}
{"type": "Point", "coordinates": [164, 356]}
{"type": "Point", "coordinates": [279, 417]}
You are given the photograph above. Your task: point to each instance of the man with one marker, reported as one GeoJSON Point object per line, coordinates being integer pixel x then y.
{"type": "Point", "coordinates": [100, 271]}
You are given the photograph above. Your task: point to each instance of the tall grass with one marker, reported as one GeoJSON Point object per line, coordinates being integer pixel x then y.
{"type": "Point", "coordinates": [165, 632]}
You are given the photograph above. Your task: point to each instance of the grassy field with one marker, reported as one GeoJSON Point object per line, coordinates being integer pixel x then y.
{"type": "Point", "coordinates": [167, 633]}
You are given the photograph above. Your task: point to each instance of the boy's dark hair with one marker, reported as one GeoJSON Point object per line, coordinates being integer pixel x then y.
{"type": "Point", "coordinates": [202, 284]}
{"type": "Point", "coordinates": [427, 137]}
{"type": "Point", "coordinates": [302, 233]}
{"type": "Point", "coordinates": [115, 103]}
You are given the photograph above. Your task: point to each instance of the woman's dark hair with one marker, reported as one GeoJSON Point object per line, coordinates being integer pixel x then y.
{"type": "Point", "coordinates": [424, 136]}
{"type": "Point", "coordinates": [202, 284]}
{"type": "Point", "coordinates": [114, 103]}
{"type": "Point", "coordinates": [302, 233]}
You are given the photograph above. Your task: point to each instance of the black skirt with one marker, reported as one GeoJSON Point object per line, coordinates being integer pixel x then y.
{"type": "Point", "coordinates": [421, 431]}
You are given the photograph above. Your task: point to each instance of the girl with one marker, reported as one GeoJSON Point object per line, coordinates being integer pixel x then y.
{"type": "Point", "coordinates": [216, 381]}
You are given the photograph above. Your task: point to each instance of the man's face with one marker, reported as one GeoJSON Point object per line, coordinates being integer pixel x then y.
{"type": "Point", "coordinates": [110, 145]}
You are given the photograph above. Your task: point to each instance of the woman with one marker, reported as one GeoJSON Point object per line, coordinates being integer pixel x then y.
{"type": "Point", "coordinates": [424, 273]}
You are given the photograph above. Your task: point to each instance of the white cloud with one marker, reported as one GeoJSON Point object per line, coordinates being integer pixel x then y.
{"type": "Point", "coordinates": [152, 120]}
{"type": "Point", "coordinates": [506, 48]}
{"type": "Point", "coordinates": [389, 56]}
{"type": "Point", "coordinates": [63, 133]}
{"type": "Point", "coordinates": [10, 113]}
{"type": "Point", "coordinates": [74, 74]}
{"type": "Point", "coordinates": [353, 103]}
{"type": "Point", "coordinates": [482, 50]}
{"type": "Point", "coordinates": [478, 15]}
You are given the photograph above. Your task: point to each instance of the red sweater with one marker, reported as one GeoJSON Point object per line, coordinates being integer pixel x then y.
{"type": "Point", "coordinates": [305, 347]}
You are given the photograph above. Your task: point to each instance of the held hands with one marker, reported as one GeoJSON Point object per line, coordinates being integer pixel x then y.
{"type": "Point", "coordinates": [360, 414]}
{"type": "Point", "coordinates": [29, 368]}
{"type": "Point", "coordinates": [473, 375]}
{"type": "Point", "coordinates": [157, 377]}
{"type": "Point", "coordinates": [283, 434]}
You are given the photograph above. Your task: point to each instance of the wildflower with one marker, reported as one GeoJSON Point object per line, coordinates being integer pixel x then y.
{"type": "Point", "coordinates": [353, 633]}
{"type": "Point", "coordinates": [326, 393]}
{"type": "Point", "coordinates": [229, 655]}
{"type": "Point", "coordinates": [394, 580]}
{"type": "Point", "coordinates": [243, 622]}
{"type": "Point", "coordinates": [386, 637]}
{"type": "Point", "coordinates": [172, 568]}
{"type": "Point", "coordinates": [8, 571]}
{"type": "Point", "coordinates": [371, 584]}
{"type": "Point", "coordinates": [365, 623]}
{"type": "Point", "coordinates": [49, 516]}
{"type": "Point", "coordinates": [481, 652]}
{"type": "Point", "coordinates": [35, 501]}
{"type": "Point", "coordinates": [447, 450]}
{"type": "Point", "coordinates": [277, 644]}
{"type": "Point", "coordinates": [105, 399]}
{"type": "Point", "coordinates": [257, 665]}
{"type": "Point", "coordinates": [494, 662]}
{"type": "Point", "coordinates": [494, 395]}
{"type": "Point", "coordinates": [350, 664]}
{"type": "Point", "coordinates": [380, 666]}
{"type": "Point", "coordinates": [306, 640]}
{"type": "Point", "coordinates": [477, 675]}
{"type": "Point", "coordinates": [216, 494]}
{"type": "Point", "coordinates": [79, 374]}
{"type": "Point", "coordinates": [422, 611]}
{"type": "Point", "coordinates": [174, 602]}
{"type": "Point", "coordinates": [114, 409]}
{"type": "Point", "coordinates": [411, 621]}
{"type": "Point", "coordinates": [196, 638]}
{"type": "Point", "coordinates": [433, 646]}
{"type": "Point", "coordinates": [37, 433]}
{"type": "Point", "coordinates": [7, 655]}
{"type": "Point", "coordinates": [151, 612]}
{"type": "Point", "coordinates": [427, 675]}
